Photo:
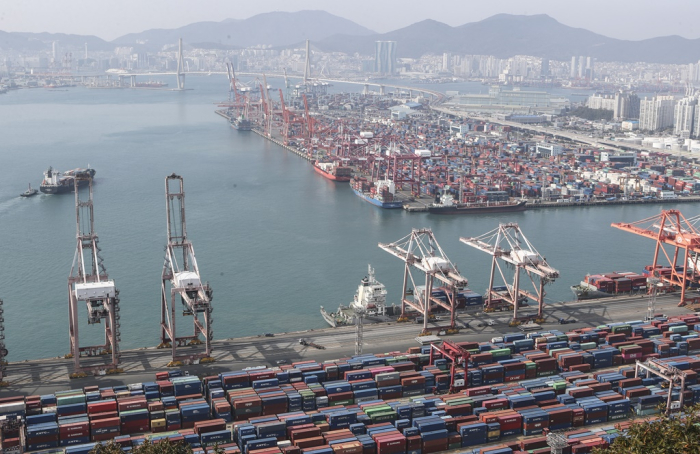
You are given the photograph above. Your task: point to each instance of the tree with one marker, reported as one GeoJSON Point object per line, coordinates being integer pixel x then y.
{"type": "Point", "coordinates": [678, 434]}
{"type": "Point", "coordinates": [161, 447]}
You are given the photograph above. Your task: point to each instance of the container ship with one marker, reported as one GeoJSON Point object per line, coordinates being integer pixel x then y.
{"type": "Point", "coordinates": [241, 124]}
{"type": "Point", "coordinates": [56, 182]}
{"type": "Point", "coordinates": [379, 193]}
{"type": "Point", "coordinates": [445, 204]}
{"type": "Point", "coordinates": [333, 170]}
{"type": "Point", "coordinates": [370, 298]}
{"type": "Point", "coordinates": [609, 285]}
{"type": "Point", "coordinates": [150, 84]}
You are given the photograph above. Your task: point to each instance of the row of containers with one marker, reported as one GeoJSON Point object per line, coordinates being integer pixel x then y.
{"type": "Point", "coordinates": [542, 379]}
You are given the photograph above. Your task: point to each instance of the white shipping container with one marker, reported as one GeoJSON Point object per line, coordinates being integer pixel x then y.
{"type": "Point", "coordinates": [422, 153]}
{"type": "Point", "coordinates": [12, 407]}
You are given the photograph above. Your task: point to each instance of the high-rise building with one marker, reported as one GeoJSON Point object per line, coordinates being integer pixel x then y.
{"type": "Point", "coordinates": [385, 57]}
{"type": "Point", "coordinates": [54, 50]}
{"type": "Point", "coordinates": [446, 61]}
{"type": "Point", "coordinates": [656, 113]}
{"type": "Point", "coordinates": [685, 117]}
{"type": "Point", "coordinates": [572, 73]}
{"type": "Point", "coordinates": [544, 68]}
{"type": "Point", "coordinates": [601, 101]}
{"type": "Point", "coordinates": [589, 68]}
{"type": "Point", "coordinates": [581, 66]}
{"type": "Point", "coordinates": [626, 106]}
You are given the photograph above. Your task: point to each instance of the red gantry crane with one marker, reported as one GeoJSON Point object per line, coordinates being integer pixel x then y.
{"type": "Point", "coordinates": [458, 357]}
{"type": "Point", "coordinates": [420, 250]}
{"type": "Point", "coordinates": [676, 238]}
{"type": "Point", "coordinates": [508, 244]}
{"type": "Point", "coordinates": [88, 282]}
{"type": "Point", "coordinates": [181, 281]}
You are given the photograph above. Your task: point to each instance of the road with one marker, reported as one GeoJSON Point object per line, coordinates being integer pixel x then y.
{"type": "Point", "coordinates": [49, 375]}
{"type": "Point", "coordinates": [559, 133]}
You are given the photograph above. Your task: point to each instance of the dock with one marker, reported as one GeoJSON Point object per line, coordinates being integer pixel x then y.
{"type": "Point", "coordinates": [140, 365]}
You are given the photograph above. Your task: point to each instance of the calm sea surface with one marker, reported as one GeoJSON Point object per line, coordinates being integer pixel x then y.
{"type": "Point", "coordinates": [274, 239]}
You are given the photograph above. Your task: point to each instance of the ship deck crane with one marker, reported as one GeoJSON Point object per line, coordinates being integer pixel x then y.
{"type": "Point", "coordinates": [88, 282]}
{"type": "Point", "coordinates": [420, 251]}
{"type": "Point", "coordinates": [670, 229]}
{"type": "Point", "coordinates": [508, 244]}
{"type": "Point", "coordinates": [181, 281]}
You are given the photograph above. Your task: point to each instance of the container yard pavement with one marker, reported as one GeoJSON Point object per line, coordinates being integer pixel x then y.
{"type": "Point", "coordinates": [50, 375]}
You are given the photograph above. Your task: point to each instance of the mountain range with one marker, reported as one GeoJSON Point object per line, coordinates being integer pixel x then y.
{"type": "Point", "coordinates": [502, 35]}
{"type": "Point", "coordinates": [505, 35]}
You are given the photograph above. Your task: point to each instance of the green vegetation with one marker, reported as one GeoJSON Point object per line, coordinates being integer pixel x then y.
{"type": "Point", "coordinates": [666, 435]}
{"type": "Point", "coordinates": [592, 114]}
{"type": "Point", "coordinates": [162, 447]}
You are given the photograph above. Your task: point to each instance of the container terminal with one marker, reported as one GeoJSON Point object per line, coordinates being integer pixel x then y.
{"type": "Point", "coordinates": [503, 395]}
{"type": "Point", "coordinates": [505, 372]}
{"type": "Point", "coordinates": [409, 147]}
{"type": "Point", "coordinates": [495, 382]}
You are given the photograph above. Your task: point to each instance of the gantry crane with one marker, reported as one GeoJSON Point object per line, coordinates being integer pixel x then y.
{"type": "Point", "coordinates": [181, 281]}
{"type": "Point", "coordinates": [508, 244]}
{"type": "Point", "coordinates": [420, 250]}
{"type": "Point", "coordinates": [457, 355]}
{"type": "Point", "coordinates": [3, 350]}
{"type": "Point", "coordinates": [676, 378]}
{"type": "Point", "coordinates": [88, 282]}
{"type": "Point", "coordinates": [670, 228]}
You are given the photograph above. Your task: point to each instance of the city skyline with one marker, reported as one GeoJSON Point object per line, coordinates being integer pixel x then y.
{"type": "Point", "coordinates": [623, 19]}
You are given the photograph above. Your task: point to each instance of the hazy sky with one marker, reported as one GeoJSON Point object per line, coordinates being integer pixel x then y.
{"type": "Point", "coordinates": [108, 19]}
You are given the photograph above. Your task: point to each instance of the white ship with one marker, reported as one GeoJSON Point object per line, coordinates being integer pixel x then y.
{"type": "Point", "coordinates": [370, 298]}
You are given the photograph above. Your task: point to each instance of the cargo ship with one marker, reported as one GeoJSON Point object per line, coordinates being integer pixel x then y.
{"type": "Point", "coordinates": [56, 182]}
{"type": "Point", "coordinates": [333, 170]}
{"type": "Point", "coordinates": [379, 193]}
{"type": "Point", "coordinates": [608, 285]}
{"type": "Point", "coordinates": [150, 84]}
{"type": "Point", "coordinates": [370, 298]}
{"type": "Point", "coordinates": [241, 124]}
{"type": "Point", "coordinates": [445, 204]}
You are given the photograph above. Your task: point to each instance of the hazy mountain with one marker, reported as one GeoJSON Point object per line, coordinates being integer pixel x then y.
{"type": "Point", "coordinates": [275, 29]}
{"type": "Point", "coordinates": [506, 35]}
{"type": "Point", "coordinates": [502, 35]}
{"type": "Point", "coordinates": [43, 41]}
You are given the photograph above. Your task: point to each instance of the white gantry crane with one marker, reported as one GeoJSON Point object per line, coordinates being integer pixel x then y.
{"type": "Point", "coordinates": [508, 244]}
{"type": "Point", "coordinates": [181, 281]}
{"type": "Point", "coordinates": [88, 282]}
{"type": "Point", "coordinates": [441, 283]}
{"type": "Point", "coordinates": [3, 350]}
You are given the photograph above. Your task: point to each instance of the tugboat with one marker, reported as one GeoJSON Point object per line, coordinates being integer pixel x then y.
{"type": "Point", "coordinates": [370, 298]}
{"type": "Point", "coordinates": [29, 192]}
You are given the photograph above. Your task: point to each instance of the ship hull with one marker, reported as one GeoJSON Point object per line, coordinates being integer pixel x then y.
{"type": "Point", "coordinates": [477, 209]}
{"type": "Point", "coordinates": [379, 203]}
{"type": "Point", "coordinates": [56, 189]}
{"type": "Point", "coordinates": [241, 126]}
{"type": "Point", "coordinates": [330, 176]}
{"type": "Point", "coordinates": [581, 293]}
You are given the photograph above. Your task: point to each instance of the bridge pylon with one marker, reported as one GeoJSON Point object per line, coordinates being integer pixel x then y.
{"type": "Point", "coordinates": [180, 67]}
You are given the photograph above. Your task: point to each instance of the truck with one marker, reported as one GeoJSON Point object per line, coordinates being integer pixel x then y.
{"type": "Point", "coordinates": [306, 343]}
{"type": "Point", "coordinates": [529, 326]}
{"type": "Point", "coordinates": [425, 340]}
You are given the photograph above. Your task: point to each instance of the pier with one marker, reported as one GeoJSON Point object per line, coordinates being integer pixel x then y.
{"type": "Point", "coordinates": [140, 365]}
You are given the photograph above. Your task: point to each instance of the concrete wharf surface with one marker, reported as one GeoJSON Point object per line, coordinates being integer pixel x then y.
{"type": "Point", "coordinates": [47, 376]}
